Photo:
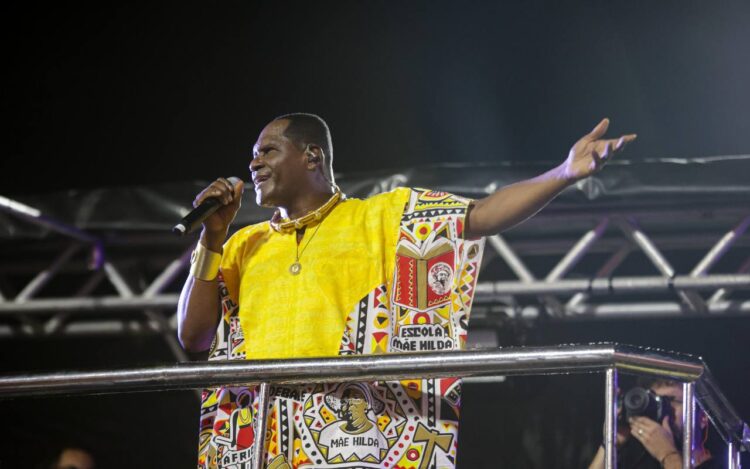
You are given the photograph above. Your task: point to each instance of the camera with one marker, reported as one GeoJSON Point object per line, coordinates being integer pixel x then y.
{"type": "Point", "coordinates": [642, 402]}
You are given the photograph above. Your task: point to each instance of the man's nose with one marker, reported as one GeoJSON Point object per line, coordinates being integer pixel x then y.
{"type": "Point", "coordinates": [256, 163]}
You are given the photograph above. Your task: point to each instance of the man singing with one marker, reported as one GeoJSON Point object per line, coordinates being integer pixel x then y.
{"type": "Point", "coordinates": [327, 276]}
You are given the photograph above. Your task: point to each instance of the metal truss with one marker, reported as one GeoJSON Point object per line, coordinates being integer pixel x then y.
{"type": "Point", "coordinates": [568, 262]}
{"type": "Point", "coordinates": [651, 285]}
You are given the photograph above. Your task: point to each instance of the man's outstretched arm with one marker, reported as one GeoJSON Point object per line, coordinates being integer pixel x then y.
{"type": "Point", "coordinates": [515, 203]}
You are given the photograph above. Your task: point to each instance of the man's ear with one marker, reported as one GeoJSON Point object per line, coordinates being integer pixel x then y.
{"type": "Point", "coordinates": [314, 155]}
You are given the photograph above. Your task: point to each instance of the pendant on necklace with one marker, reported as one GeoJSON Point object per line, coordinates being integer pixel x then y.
{"type": "Point", "coordinates": [295, 268]}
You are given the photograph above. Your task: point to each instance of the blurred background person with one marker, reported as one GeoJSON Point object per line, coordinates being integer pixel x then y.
{"type": "Point", "coordinates": [69, 457]}
{"type": "Point", "coordinates": [644, 443]}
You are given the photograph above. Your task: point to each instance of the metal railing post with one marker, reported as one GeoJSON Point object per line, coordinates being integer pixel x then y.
{"type": "Point", "coordinates": [688, 424]}
{"type": "Point", "coordinates": [260, 428]}
{"type": "Point", "coordinates": [610, 420]}
{"type": "Point", "coordinates": [733, 456]}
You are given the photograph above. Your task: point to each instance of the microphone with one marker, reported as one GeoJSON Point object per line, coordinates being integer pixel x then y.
{"type": "Point", "coordinates": [195, 218]}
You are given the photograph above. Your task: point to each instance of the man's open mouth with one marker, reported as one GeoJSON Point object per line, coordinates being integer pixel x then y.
{"type": "Point", "coordinates": [257, 180]}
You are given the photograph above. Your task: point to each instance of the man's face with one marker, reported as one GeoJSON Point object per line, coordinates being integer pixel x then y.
{"type": "Point", "coordinates": [278, 167]}
{"type": "Point", "coordinates": [674, 392]}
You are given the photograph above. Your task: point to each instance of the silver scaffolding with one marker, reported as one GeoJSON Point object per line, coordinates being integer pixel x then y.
{"type": "Point", "coordinates": [625, 243]}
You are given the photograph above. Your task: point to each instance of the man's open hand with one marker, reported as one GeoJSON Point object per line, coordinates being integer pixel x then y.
{"type": "Point", "coordinates": [591, 152]}
{"type": "Point", "coordinates": [657, 439]}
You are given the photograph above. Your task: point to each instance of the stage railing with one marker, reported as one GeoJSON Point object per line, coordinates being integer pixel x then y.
{"type": "Point", "coordinates": [611, 359]}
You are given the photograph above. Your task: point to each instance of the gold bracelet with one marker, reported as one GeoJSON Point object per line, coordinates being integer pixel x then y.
{"type": "Point", "coordinates": [668, 455]}
{"type": "Point", "coordinates": [204, 263]}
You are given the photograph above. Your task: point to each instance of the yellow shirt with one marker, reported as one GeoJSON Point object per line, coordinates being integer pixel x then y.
{"type": "Point", "coordinates": [343, 257]}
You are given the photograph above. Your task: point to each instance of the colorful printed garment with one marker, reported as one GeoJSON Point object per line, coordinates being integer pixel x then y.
{"type": "Point", "coordinates": [406, 248]}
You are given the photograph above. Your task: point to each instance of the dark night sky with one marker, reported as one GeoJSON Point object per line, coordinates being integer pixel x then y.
{"type": "Point", "coordinates": [121, 94]}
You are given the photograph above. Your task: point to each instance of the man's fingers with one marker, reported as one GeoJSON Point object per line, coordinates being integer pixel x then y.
{"type": "Point", "coordinates": [665, 424]}
{"type": "Point", "coordinates": [228, 185]}
{"type": "Point", "coordinates": [209, 191]}
{"type": "Point", "coordinates": [227, 190]}
{"type": "Point", "coordinates": [641, 421]}
{"type": "Point", "coordinates": [620, 144]}
{"type": "Point", "coordinates": [597, 158]}
{"type": "Point", "coordinates": [598, 131]}
{"type": "Point", "coordinates": [640, 429]}
{"type": "Point", "coordinates": [220, 189]}
{"type": "Point", "coordinates": [624, 140]}
{"type": "Point", "coordinates": [239, 188]}
{"type": "Point", "coordinates": [231, 188]}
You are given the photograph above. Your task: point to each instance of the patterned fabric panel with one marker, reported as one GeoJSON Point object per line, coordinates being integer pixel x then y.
{"type": "Point", "coordinates": [404, 425]}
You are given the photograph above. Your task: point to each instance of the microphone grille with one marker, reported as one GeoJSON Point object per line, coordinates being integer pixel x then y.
{"type": "Point", "coordinates": [234, 180]}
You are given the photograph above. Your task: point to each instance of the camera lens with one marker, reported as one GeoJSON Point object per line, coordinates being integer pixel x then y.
{"type": "Point", "coordinates": [636, 401]}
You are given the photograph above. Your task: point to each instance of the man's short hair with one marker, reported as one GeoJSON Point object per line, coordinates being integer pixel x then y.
{"type": "Point", "coordinates": [305, 129]}
{"type": "Point", "coordinates": [649, 382]}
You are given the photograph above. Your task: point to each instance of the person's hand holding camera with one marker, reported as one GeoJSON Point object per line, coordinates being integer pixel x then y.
{"type": "Point", "coordinates": [657, 439]}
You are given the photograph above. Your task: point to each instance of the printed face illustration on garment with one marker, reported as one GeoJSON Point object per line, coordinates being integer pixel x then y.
{"type": "Point", "coordinates": [354, 435]}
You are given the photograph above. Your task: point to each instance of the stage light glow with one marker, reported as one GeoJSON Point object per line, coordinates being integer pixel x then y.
{"type": "Point", "coordinates": [18, 207]}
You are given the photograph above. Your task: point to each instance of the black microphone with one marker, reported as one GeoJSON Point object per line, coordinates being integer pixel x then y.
{"type": "Point", "coordinates": [195, 218]}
